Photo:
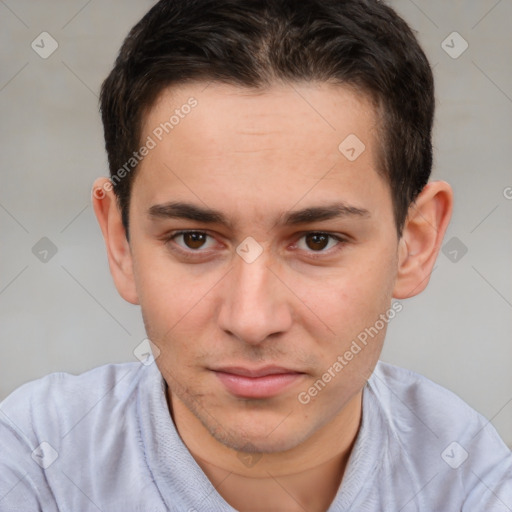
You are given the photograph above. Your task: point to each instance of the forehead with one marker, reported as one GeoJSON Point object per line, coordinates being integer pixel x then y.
{"type": "Point", "coordinates": [275, 145]}
{"type": "Point", "coordinates": [315, 111]}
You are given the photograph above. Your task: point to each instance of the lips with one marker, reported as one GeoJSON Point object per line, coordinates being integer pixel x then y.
{"type": "Point", "coordinates": [256, 383]}
{"type": "Point", "coordinates": [260, 372]}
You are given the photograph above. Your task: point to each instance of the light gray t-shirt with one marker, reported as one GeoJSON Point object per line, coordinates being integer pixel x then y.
{"type": "Point", "coordinates": [105, 441]}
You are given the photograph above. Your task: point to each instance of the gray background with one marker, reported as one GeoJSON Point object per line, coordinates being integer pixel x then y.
{"type": "Point", "coordinates": [64, 314]}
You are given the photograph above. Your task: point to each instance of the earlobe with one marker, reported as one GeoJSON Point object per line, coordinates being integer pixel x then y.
{"type": "Point", "coordinates": [118, 249]}
{"type": "Point", "coordinates": [422, 237]}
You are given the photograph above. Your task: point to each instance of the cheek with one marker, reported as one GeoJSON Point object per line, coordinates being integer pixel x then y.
{"type": "Point", "coordinates": [350, 300]}
{"type": "Point", "coordinates": [170, 295]}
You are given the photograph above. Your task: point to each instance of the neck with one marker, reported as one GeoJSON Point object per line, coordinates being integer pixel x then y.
{"type": "Point", "coordinates": [306, 477]}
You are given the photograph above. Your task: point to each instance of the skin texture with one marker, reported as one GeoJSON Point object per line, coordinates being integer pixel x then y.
{"type": "Point", "coordinates": [255, 157]}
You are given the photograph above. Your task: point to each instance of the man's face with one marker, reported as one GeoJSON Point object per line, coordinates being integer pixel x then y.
{"type": "Point", "coordinates": [243, 334]}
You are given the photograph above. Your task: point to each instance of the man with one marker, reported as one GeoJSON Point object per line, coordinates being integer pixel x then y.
{"type": "Point", "coordinates": [269, 209]}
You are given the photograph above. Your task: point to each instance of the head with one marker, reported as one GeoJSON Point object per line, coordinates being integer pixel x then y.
{"type": "Point", "coordinates": [291, 142]}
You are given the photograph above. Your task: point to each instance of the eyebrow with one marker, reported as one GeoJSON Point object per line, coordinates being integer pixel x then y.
{"type": "Point", "coordinates": [204, 215]}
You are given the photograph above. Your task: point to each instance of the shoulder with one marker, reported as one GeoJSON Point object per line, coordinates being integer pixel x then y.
{"type": "Point", "coordinates": [410, 401]}
{"type": "Point", "coordinates": [50, 424]}
{"type": "Point", "coordinates": [395, 385]}
{"type": "Point", "coordinates": [434, 432]}
{"type": "Point", "coordinates": [59, 384]}
{"type": "Point", "coordinates": [53, 404]}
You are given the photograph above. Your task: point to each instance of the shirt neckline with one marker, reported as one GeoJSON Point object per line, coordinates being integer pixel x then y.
{"type": "Point", "coordinates": [182, 484]}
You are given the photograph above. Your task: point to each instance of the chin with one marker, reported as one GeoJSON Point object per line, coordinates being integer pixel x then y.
{"type": "Point", "coordinates": [253, 436]}
{"type": "Point", "coordinates": [256, 444]}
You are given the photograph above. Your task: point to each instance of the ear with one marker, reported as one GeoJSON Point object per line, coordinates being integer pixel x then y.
{"type": "Point", "coordinates": [422, 236]}
{"type": "Point", "coordinates": [118, 249]}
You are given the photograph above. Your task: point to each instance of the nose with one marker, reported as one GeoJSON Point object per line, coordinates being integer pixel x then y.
{"type": "Point", "coordinates": [255, 303]}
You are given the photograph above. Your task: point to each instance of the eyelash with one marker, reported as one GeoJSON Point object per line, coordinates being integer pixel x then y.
{"type": "Point", "coordinates": [191, 253]}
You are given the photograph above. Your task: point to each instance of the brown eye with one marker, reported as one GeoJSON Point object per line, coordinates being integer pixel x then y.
{"type": "Point", "coordinates": [194, 240]}
{"type": "Point", "coordinates": [192, 244]}
{"type": "Point", "coordinates": [317, 241]}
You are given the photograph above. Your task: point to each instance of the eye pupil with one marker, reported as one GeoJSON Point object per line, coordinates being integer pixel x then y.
{"type": "Point", "coordinates": [317, 241]}
{"type": "Point", "coordinates": [194, 240]}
